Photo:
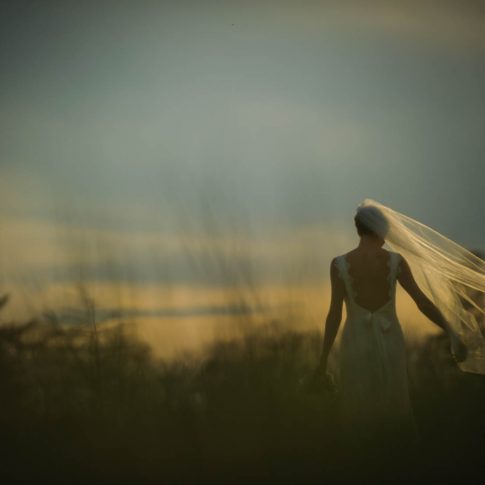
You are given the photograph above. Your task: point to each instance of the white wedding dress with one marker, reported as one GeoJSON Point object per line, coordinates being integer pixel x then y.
{"type": "Point", "coordinates": [373, 378]}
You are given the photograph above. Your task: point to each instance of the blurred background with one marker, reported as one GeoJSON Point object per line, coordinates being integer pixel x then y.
{"type": "Point", "coordinates": [195, 164]}
{"type": "Point", "coordinates": [185, 171]}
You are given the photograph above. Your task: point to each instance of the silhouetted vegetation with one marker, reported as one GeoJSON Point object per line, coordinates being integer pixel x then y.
{"type": "Point", "coordinates": [88, 403]}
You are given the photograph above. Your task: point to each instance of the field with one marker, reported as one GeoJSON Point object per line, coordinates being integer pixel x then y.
{"type": "Point", "coordinates": [89, 403]}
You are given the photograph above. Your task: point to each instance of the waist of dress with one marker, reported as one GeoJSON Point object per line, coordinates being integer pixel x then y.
{"type": "Point", "coordinates": [381, 319]}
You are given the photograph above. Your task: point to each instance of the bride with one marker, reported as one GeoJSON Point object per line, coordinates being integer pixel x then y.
{"type": "Point", "coordinates": [374, 393]}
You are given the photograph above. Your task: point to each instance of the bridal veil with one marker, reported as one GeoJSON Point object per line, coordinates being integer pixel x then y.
{"type": "Point", "coordinates": [450, 275]}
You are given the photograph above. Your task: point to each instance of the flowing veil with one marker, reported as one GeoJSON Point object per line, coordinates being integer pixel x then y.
{"type": "Point", "coordinates": [450, 275]}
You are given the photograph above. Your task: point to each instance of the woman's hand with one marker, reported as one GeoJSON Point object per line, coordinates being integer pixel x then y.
{"type": "Point", "coordinates": [321, 381]}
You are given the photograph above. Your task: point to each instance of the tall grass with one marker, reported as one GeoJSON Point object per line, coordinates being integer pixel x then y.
{"type": "Point", "coordinates": [88, 403]}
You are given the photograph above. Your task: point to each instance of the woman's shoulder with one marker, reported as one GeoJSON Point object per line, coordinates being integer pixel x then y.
{"type": "Point", "coordinates": [394, 254]}
{"type": "Point", "coordinates": [398, 260]}
{"type": "Point", "coordinates": [337, 267]}
{"type": "Point", "coordinates": [337, 263]}
{"type": "Point", "coordinates": [337, 259]}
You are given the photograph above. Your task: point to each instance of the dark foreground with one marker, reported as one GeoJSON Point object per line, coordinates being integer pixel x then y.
{"type": "Point", "coordinates": [86, 404]}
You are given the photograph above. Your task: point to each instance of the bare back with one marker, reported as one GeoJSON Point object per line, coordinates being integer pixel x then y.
{"type": "Point", "coordinates": [369, 274]}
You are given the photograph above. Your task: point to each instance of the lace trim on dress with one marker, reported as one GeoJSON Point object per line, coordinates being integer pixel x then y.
{"type": "Point", "coordinates": [341, 269]}
{"type": "Point", "coordinates": [350, 287]}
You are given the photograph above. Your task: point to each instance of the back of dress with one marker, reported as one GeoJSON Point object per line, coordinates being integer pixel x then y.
{"type": "Point", "coordinates": [373, 373]}
{"type": "Point", "coordinates": [354, 308]}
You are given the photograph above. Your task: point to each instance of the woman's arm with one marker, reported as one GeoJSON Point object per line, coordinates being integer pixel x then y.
{"type": "Point", "coordinates": [429, 309]}
{"type": "Point", "coordinates": [425, 305]}
{"type": "Point", "coordinates": [334, 315]}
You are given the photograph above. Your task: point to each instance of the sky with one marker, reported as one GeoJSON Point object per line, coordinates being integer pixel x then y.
{"type": "Point", "coordinates": [160, 143]}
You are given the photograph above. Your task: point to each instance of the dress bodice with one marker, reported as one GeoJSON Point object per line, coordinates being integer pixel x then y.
{"type": "Point", "coordinates": [353, 308]}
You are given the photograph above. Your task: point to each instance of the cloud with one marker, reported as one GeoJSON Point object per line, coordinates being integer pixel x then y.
{"type": "Point", "coordinates": [52, 251]}
{"type": "Point", "coordinates": [438, 23]}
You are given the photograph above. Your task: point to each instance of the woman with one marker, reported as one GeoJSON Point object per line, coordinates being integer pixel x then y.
{"type": "Point", "coordinates": [374, 393]}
